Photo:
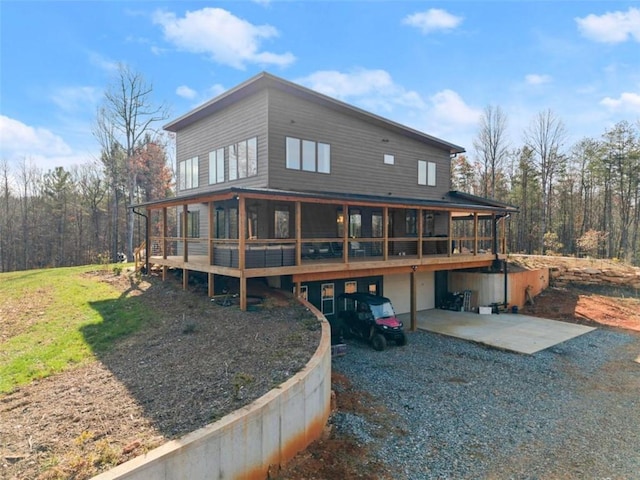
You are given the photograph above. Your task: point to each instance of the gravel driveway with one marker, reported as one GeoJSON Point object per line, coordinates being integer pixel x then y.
{"type": "Point", "coordinates": [466, 411]}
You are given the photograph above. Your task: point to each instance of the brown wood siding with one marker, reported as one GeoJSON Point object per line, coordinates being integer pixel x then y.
{"type": "Point", "coordinates": [241, 121]}
{"type": "Point", "coordinates": [357, 151]}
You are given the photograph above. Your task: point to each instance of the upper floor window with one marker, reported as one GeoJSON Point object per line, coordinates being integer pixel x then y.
{"type": "Point", "coordinates": [216, 166]}
{"type": "Point", "coordinates": [426, 173]}
{"type": "Point", "coordinates": [389, 159]}
{"type": "Point", "coordinates": [243, 159]}
{"type": "Point", "coordinates": [308, 155]}
{"type": "Point", "coordinates": [188, 173]}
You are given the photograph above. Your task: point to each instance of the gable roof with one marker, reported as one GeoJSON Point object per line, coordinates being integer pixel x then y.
{"type": "Point", "coordinates": [266, 80]}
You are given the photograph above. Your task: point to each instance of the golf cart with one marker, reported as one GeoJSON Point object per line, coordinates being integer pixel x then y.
{"type": "Point", "coordinates": [370, 317]}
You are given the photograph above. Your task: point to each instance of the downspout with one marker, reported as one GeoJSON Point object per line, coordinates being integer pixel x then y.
{"type": "Point", "coordinates": [146, 239]}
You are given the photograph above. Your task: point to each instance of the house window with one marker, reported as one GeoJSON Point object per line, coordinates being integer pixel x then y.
{"type": "Point", "coordinates": [411, 227]}
{"type": "Point", "coordinates": [327, 298]}
{"type": "Point", "coordinates": [243, 159]}
{"type": "Point", "coordinates": [340, 223]}
{"type": "Point", "coordinates": [431, 174]}
{"type": "Point", "coordinates": [324, 158]}
{"type": "Point", "coordinates": [308, 155]}
{"type": "Point", "coordinates": [216, 166]}
{"type": "Point", "coordinates": [193, 224]}
{"type": "Point", "coordinates": [426, 173]}
{"type": "Point", "coordinates": [389, 159]}
{"type": "Point", "coordinates": [304, 291]}
{"type": "Point", "coordinates": [281, 223]}
{"type": "Point", "coordinates": [293, 153]}
{"type": "Point", "coordinates": [350, 287]}
{"type": "Point", "coordinates": [189, 173]}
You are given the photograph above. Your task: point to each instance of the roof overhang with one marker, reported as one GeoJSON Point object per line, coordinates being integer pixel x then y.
{"type": "Point", "coordinates": [460, 204]}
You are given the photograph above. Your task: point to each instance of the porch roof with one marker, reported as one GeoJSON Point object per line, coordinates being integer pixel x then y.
{"type": "Point", "coordinates": [453, 200]}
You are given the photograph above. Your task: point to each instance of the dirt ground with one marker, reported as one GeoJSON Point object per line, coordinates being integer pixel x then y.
{"type": "Point", "coordinates": [198, 362]}
{"type": "Point", "coordinates": [135, 398]}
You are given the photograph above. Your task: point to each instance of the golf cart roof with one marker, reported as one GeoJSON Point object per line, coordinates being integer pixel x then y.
{"type": "Point", "coordinates": [366, 298]}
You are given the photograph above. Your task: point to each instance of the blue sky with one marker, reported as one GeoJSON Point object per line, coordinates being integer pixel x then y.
{"type": "Point", "coordinates": [431, 65]}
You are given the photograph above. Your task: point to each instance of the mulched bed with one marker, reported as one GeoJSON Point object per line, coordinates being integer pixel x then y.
{"type": "Point", "coordinates": [197, 362]}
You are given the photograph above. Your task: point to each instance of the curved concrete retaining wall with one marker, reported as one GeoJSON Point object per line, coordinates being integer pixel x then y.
{"type": "Point", "coordinates": [247, 442]}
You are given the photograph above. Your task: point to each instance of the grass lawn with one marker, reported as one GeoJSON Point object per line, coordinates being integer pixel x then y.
{"type": "Point", "coordinates": [55, 319]}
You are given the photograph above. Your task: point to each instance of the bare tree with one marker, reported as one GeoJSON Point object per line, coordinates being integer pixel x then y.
{"type": "Point", "coordinates": [491, 146]}
{"type": "Point", "coordinates": [126, 116]}
{"type": "Point", "coordinates": [545, 138]}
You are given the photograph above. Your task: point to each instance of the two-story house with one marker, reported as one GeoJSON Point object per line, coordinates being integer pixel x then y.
{"type": "Point", "coordinates": [279, 182]}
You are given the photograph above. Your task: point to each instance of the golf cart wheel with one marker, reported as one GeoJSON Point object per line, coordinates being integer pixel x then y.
{"type": "Point", "coordinates": [378, 342]}
{"type": "Point", "coordinates": [401, 340]}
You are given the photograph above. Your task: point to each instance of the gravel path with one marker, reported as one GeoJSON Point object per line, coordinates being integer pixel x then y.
{"type": "Point", "coordinates": [466, 411]}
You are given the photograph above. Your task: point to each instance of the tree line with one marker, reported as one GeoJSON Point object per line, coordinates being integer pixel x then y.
{"type": "Point", "coordinates": [582, 199]}
{"type": "Point", "coordinates": [83, 214]}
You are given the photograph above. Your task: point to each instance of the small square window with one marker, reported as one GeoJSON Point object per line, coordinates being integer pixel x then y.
{"type": "Point", "coordinates": [389, 159]}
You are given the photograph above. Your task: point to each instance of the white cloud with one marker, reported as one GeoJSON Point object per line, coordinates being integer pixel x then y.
{"type": "Point", "coordinates": [444, 114]}
{"type": "Point", "coordinates": [433, 20]}
{"type": "Point", "coordinates": [612, 27]}
{"type": "Point", "coordinates": [40, 147]}
{"type": "Point", "coordinates": [186, 92]}
{"type": "Point", "coordinates": [76, 98]}
{"type": "Point", "coordinates": [229, 40]}
{"type": "Point", "coordinates": [374, 90]}
{"type": "Point", "coordinates": [19, 139]}
{"type": "Point", "coordinates": [103, 63]}
{"type": "Point", "coordinates": [537, 79]}
{"type": "Point", "coordinates": [449, 107]}
{"type": "Point", "coordinates": [627, 102]}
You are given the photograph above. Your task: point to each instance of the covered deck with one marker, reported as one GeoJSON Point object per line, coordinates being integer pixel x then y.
{"type": "Point", "coordinates": [247, 233]}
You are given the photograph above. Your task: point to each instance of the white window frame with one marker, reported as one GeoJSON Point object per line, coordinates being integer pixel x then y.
{"type": "Point", "coordinates": [327, 302]}
{"type": "Point", "coordinates": [307, 155]}
{"type": "Point", "coordinates": [189, 173]}
{"type": "Point", "coordinates": [216, 166]}
{"type": "Point", "coordinates": [431, 174]}
{"type": "Point", "coordinates": [389, 159]}
{"type": "Point", "coordinates": [243, 159]}
{"type": "Point", "coordinates": [426, 173]}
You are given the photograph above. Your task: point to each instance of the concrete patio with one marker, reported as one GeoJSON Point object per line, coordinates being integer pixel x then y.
{"type": "Point", "coordinates": [507, 331]}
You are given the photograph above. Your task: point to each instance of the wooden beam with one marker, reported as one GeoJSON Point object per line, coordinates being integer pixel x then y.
{"type": "Point", "coordinates": [185, 278]}
{"type": "Point", "coordinates": [414, 312]}
{"type": "Point", "coordinates": [185, 223]}
{"type": "Point", "coordinates": [211, 284]}
{"type": "Point", "coordinates": [385, 229]}
{"type": "Point", "coordinates": [475, 233]}
{"type": "Point", "coordinates": [298, 232]}
{"type": "Point", "coordinates": [211, 231]}
{"type": "Point", "coordinates": [242, 226]}
{"type": "Point", "coordinates": [420, 228]}
{"type": "Point", "coordinates": [164, 233]}
{"type": "Point", "coordinates": [243, 293]}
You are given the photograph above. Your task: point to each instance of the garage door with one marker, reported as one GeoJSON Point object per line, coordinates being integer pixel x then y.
{"type": "Point", "coordinates": [398, 289]}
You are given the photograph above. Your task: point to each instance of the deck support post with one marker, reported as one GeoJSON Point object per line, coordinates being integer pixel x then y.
{"type": "Point", "coordinates": [414, 312]}
{"type": "Point", "coordinates": [211, 285]}
{"type": "Point", "coordinates": [164, 272]}
{"type": "Point", "coordinates": [185, 278]}
{"type": "Point", "coordinates": [243, 293]}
